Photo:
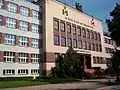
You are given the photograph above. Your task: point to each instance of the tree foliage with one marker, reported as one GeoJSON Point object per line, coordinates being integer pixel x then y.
{"type": "Point", "coordinates": [114, 29]}
{"type": "Point", "coordinates": [68, 66]}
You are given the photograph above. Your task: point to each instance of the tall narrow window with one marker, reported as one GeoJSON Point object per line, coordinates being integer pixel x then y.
{"type": "Point", "coordinates": [63, 41]}
{"type": "Point", "coordinates": [35, 28]}
{"type": "Point", "coordinates": [24, 25]}
{"type": "Point", "coordinates": [62, 26]}
{"type": "Point", "coordinates": [83, 32]}
{"type": "Point", "coordinates": [1, 20]}
{"type": "Point", "coordinates": [80, 44]}
{"type": "Point", "coordinates": [74, 29]}
{"type": "Point", "coordinates": [10, 22]}
{"type": "Point", "coordinates": [1, 3]}
{"type": "Point", "coordinates": [12, 7]}
{"type": "Point", "coordinates": [69, 42]}
{"type": "Point", "coordinates": [56, 40]}
{"type": "Point", "coordinates": [56, 24]}
{"type": "Point", "coordinates": [84, 45]}
{"type": "Point", "coordinates": [68, 26]}
{"type": "Point", "coordinates": [35, 14]}
{"type": "Point", "coordinates": [35, 43]}
{"type": "Point", "coordinates": [10, 39]}
{"type": "Point", "coordinates": [79, 31]}
{"type": "Point", "coordinates": [88, 34]}
{"type": "Point", "coordinates": [24, 11]}
{"type": "Point", "coordinates": [75, 43]}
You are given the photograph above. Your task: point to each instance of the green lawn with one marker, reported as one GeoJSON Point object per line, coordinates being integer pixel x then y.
{"type": "Point", "coordinates": [23, 83]}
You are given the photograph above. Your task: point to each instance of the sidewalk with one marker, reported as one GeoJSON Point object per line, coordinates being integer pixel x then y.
{"type": "Point", "coordinates": [83, 85]}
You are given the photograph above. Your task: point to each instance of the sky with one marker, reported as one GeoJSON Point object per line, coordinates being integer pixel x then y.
{"type": "Point", "coordinates": [98, 8]}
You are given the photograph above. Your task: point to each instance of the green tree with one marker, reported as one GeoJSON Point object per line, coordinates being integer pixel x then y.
{"type": "Point", "coordinates": [69, 65]}
{"type": "Point", "coordinates": [114, 28]}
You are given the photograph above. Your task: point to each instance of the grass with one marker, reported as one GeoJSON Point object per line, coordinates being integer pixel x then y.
{"type": "Point", "coordinates": [23, 83]}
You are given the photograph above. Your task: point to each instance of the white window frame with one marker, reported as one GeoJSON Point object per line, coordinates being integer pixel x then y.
{"type": "Point", "coordinates": [35, 43]}
{"type": "Point", "coordinates": [8, 72]}
{"type": "Point", "coordinates": [35, 14]}
{"type": "Point", "coordinates": [35, 58]}
{"type": "Point", "coordinates": [12, 7]}
{"type": "Point", "coordinates": [35, 28]}
{"type": "Point", "coordinates": [9, 56]}
{"type": "Point", "coordinates": [23, 41]}
{"type": "Point", "coordinates": [1, 3]}
{"type": "Point", "coordinates": [23, 57]}
{"type": "Point", "coordinates": [24, 25]}
{"type": "Point", "coordinates": [34, 71]}
{"type": "Point", "coordinates": [10, 39]}
{"type": "Point", "coordinates": [24, 11]}
{"type": "Point", "coordinates": [23, 71]}
{"type": "Point", "coordinates": [10, 22]}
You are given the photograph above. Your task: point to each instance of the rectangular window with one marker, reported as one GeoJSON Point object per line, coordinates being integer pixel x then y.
{"type": "Point", "coordinates": [92, 35]}
{"type": "Point", "coordinates": [80, 44]}
{"type": "Point", "coordinates": [35, 14]}
{"type": "Point", "coordinates": [23, 41]}
{"type": "Point", "coordinates": [35, 28]}
{"type": "Point", "coordinates": [35, 58]}
{"type": "Point", "coordinates": [35, 43]}
{"type": "Point", "coordinates": [93, 47]}
{"type": "Point", "coordinates": [24, 25]}
{"type": "Point", "coordinates": [10, 22]}
{"type": "Point", "coordinates": [12, 7]}
{"type": "Point", "coordinates": [8, 72]}
{"type": "Point", "coordinates": [83, 32]}
{"type": "Point", "coordinates": [88, 34]}
{"type": "Point", "coordinates": [1, 18]}
{"type": "Point", "coordinates": [63, 41]}
{"type": "Point", "coordinates": [95, 35]}
{"type": "Point", "coordinates": [9, 56]}
{"type": "Point", "coordinates": [23, 57]}
{"type": "Point", "coordinates": [10, 39]}
{"type": "Point", "coordinates": [62, 26]}
{"type": "Point", "coordinates": [96, 47]}
{"type": "Point", "coordinates": [1, 3]}
{"type": "Point", "coordinates": [89, 46]}
{"type": "Point", "coordinates": [79, 31]}
{"type": "Point", "coordinates": [99, 37]}
{"type": "Point", "coordinates": [94, 60]}
{"type": "Point", "coordinates": [84, 45]}
{"type": "Point", "coordinates": [75, 43]}
{"type": "Point", "coordinates": [23, 71]}
{"type": "Point", "coordinates": [56, 25]}
{"type": "Point", "coordinates": [68, 26]}
{"type": "Point", "coordinates": [56, 40]}
{"type": "Point", "coordinates": [74, 29]}
{"type": "Point", "coordinates": [24, 11]}
{"type": "Point", "coordinates": [69, 42]}
{"type": "Point", "coordinates": [34, 71]}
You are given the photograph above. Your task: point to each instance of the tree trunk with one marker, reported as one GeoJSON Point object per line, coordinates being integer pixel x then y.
{"type": "Point", "coordinates": [117, 75]}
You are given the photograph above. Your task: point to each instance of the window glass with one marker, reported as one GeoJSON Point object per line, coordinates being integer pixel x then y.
{"type": "Point", "coordinates": [63, 41]}
{"type": "Point", "coordinates": [23, 41]}
{"type": "Point", "coordinates": [10, 22]}
{"type": "Point", "coordinates": [10, 39]}
{"type": "Point", "coordinates": [24, 11]}
{"type": "Point", "coordinates": [24, 25]}
{"type": "Point", "coordinates": [12, 7]}
{"type": "Point", "coordinates": [56, 40]}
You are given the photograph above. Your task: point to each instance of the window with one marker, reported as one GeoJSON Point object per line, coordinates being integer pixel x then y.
{"type": "Point", "coordinates": [105, 39]}
{"type": "Point", "coordinates": [35, 28]}
{"type": "Point", "coordinates": [10, 22]}
{"type": "Point", "coordinates": [75, 43]}
{"type": "Point", "coordinates": [56, 24]}
{"type": "Point", "coordinates": [93, 47]}
{"type": "Point", "coordinates": [35, 58]}
{"type": "Point", "coordinates": [56, 40]}
{"type": "Point", "coordinates": [9, 56]}
{"type": "Point", "coordinates": [92, 35]}
{"type": "Point", "coordinates": [23, 57]}
{"type": "Point", "coordinates": [35, 43]}
{"type": "Point", "coordinates": [89, 46]}
{"type": "Point", "coordinates": [68, 26]}
{"type": "Point", "coordinates": [74, 29]}
{"type": "Point", "coordinates": [99, 37]}
{"type": "Point", "coordinates": [11, 7]}
{"type": "Point", "coordinates": [69, 42]}
{"type": "Point", "coordinates": [35, 14]}
{"type": "Point", "coordinates": [23, 41]}
{"type": "Point", "coordinates": [34, 71]}
{"type": "Point", "coordinates": [8, 72]}
{"type": "Point", "coordinates": [94, 60]}
{"type": "Point", "coordinates": [24, 11]}
{"type": "Point", "coordinates": [10, 39]}
{"type": "Point", "coordinates": [62, 26]}
{"type": "Point", "coordinates": [23, 71]}
{"type": "Point", "coordinates": [1, 3]}
{"type": "Point", "coordinates": [83, 32]}
{"type": "Point", "coordinates": [84, 45]}
{"type": "Point", "coordinates": [95, 35]}
{"type": "Point", "coordinates": [80, 44]}
{"type": "Point", "coordinates": [96, 47]}
{"type": "Point", "coordinates": [63, 41]}
{"type": "Point", "coordinates": [79, 31]}
{"type": "Point", "coordinates": [24, 25]}
{"type": "Point", "coordinates": [1, 20]}
{"type": "Point", "coordinates": [88, 34]}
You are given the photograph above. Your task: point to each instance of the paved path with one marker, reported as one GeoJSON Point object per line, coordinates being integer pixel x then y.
{"type": "Point", "coordinates": [84, 85]}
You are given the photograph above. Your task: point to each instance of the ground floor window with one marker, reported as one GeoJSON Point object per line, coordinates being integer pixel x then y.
{"type": "Point", "coordinates": [34, 71]}
{"type": "Point", "coordinates": [8, 72]}
{"type": "Point", "coordinates": [23, 71]}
